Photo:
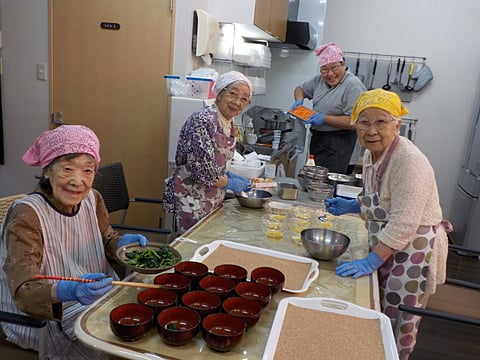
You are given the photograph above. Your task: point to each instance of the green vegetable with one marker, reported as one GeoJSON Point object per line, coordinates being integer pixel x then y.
{"type": "Point", "coordinates": [171, 326]}
{"type": "Point", "coordinates": [151, 258]}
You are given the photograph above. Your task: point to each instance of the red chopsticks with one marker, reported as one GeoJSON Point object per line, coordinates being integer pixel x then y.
{"type": "Point", "coordinates": [51, 277]}
{"type": "Point", "coordinates": [114, 282]}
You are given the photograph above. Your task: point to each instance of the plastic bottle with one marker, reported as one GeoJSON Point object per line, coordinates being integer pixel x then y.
{"type": "Point", "coordinates": [310, 161]}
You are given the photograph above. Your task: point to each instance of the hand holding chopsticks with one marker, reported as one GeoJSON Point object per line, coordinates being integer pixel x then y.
{"type": "Point", "coordinates": [114, 282]}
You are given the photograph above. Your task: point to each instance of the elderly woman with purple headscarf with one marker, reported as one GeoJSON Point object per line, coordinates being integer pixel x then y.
{"type": "Point", "coordinates": [333, 93]}
{"type": "Point", "coordinates": [62, 228]}
{"type": "Point", "coordinates": [205, 145]}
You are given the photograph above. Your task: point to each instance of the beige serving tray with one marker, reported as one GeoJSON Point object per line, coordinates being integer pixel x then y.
{"type": "Point", "coordinates": [329, 305]}
{"type": "Point", "coordinates": [204, 251]}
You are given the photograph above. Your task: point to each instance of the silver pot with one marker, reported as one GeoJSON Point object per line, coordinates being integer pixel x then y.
{"type": "Point", "coordinates": [276, 120]}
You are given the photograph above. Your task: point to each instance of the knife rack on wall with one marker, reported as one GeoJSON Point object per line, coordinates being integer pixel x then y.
{"type": "Point", "coordinates": [388, 71]}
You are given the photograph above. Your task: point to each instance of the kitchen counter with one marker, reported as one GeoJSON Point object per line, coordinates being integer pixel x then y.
{"type": "Point", "coordinates": [234, 223]}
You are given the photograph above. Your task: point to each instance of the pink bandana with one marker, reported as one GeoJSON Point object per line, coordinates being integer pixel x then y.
{"type": "Point", "coordinates": [64, 140]}
{"type": "Point", "coordinates": [328, 54]}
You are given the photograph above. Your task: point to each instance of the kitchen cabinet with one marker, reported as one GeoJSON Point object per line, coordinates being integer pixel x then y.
{"type": "Point", "coordinates": [271, 16]}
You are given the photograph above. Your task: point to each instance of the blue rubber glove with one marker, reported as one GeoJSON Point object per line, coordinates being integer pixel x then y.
{"type": "Point", "coordinates": [237, 183]}
{"type": "Point", "coordinates": [296, 103]}
{"type": "Point", "coordinates": [132, 238]}
{"type": "Point", "coordinates": [233, 175]}
{"type": "Point", "coordinates": [338, 206]}
{"type": "Point", "coordinates": [361, 267]}
{"type": "Point", "coordinates": [316, 119]}
{"type": "Point", "coordinates": [84, 293]}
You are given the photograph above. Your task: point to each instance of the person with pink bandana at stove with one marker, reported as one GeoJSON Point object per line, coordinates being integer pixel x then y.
{"type": "Point", "coordinates": [62, 229]}
{"type": "Point", "coordinates": [333, 93]}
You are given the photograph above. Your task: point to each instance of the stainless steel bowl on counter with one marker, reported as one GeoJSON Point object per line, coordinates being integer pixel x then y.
{"type": "Point", "coordinates": [324, 244]}
{"type": "Point", "coordinates": [311, 173]}
{"type": "Point", "coordinates": [254, 199]}
{"type": "Point", "coordinates": [341, 178]}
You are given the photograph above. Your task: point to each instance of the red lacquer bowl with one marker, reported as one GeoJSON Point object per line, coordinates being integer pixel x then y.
{"type": "Point", "coordinates": [269, 276]}
{"type": "Point", "coordinates": [246, 310]}
{"type": "Point", "coordinates": [178, 325]}
{"type": "Point", "coordinates": [222, 332]}
{"type": "Point", "coordinates": [223, 287]}
{"type": "Point", "coordinates": [254, 291]}
{"type": "Point", "coordinates": [203, 302]}
{"type": "Point", "coordinates": [131, 321]}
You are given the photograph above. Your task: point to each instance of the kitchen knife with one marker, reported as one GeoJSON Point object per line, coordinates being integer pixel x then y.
{"type": "Point", "coordinates": [373, 75]}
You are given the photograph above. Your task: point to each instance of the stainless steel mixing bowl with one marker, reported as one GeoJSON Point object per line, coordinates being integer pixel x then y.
{"type": "Point", "coordinates": [254, 199]}
{"type": "Point", "coordinates": [324, 244]}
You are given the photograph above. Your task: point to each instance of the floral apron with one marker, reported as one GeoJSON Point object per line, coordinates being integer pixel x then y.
{"type": "Point", "coordinates": [403, 277]}
{"type": "Point", "coordinates": [195, 201]}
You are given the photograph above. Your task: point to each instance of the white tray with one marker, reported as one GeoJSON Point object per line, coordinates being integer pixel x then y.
{"type": "Point", "coordinates": [205, 250]}
{"type": "Point", "coordinates": [335, 306]}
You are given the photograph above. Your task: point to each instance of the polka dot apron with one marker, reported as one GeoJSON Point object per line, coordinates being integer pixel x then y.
{"type": "Point", "coordinates": [403, 277]}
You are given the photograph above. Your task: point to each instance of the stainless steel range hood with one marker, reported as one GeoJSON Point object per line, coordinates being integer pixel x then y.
{"type": "Point", "coordinates": [300, 34]}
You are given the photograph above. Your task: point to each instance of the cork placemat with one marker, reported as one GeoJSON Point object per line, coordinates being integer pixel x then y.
{"type": "Point", "coordinates": [295, 272]}
{"type": "Point", "coordinates": [310, 334]}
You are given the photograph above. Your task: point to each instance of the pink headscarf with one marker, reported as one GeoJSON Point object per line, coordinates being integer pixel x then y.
{"type": "Point", "coordinates": [328, 54]}
{"type": "Point", "coordinates": [64, 140]}
{"type": "Point", "coordinates": [229, 78]}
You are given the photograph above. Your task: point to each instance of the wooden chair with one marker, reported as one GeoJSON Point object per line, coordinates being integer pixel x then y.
{"type": "Point", "coordinates": [18, 319]}
{"type": "Point", "coordinates": [111, 183]}
{"type": "Point", "coordinates": [456, 300]}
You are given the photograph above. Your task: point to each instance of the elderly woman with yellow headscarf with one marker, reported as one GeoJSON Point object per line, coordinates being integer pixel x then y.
{"type": "Point", "coordinates": [62, 229]}
{"type": "Point", "coordinates": [401, 209]}
{"type": "Point", "coordinates": [205, 146]}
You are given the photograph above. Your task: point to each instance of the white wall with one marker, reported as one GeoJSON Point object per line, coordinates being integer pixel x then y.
{"type": "Point", "coordinates": [24, 25]}
{"type": "Point", "coordinates": [446, 33]}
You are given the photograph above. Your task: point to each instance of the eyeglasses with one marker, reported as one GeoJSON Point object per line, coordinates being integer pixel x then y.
{"type": "Point", "coordinates": [379, 124]}
{"type": "Point", "coordinates": [333, 69]}
{"type": "Point", "coordinates": [236, 97]}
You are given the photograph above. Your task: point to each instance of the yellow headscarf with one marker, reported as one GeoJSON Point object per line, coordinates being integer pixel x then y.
{"type": "Point", "coordinates": [379, 98]}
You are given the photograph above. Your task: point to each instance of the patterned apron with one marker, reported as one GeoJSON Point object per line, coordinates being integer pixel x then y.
{"type": "Point", "coordinates": [403, 277]}
{"type": "Point", "coordinates": [195, 201]}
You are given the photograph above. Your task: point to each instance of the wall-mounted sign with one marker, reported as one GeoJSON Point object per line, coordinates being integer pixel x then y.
{"type": "Point", "coordinates": [110, 26]}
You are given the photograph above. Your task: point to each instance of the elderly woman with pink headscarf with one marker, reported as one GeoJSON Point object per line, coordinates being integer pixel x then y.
{"type": "Point", "coordinates": [206, 144]}
{"type": "Point", "coordinates": [62, 228]}
{"type": "Point", "coordinates": [333, 93]}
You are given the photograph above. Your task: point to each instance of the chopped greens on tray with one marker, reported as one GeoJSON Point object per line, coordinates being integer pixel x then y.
{"type": "Point", "coordinates": [151, 258]}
